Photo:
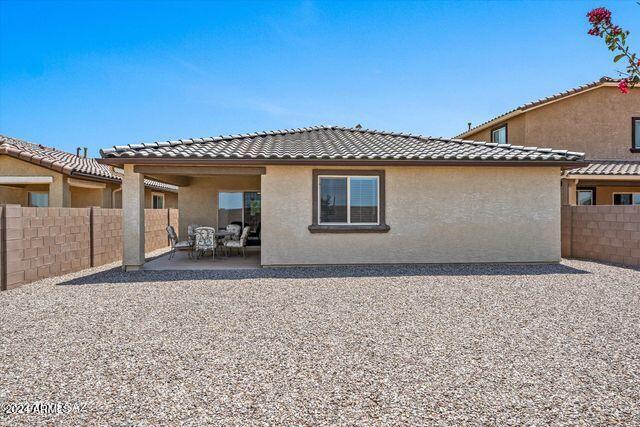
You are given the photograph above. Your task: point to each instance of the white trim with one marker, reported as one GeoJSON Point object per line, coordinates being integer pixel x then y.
{"type": "Point", "coordinates": [632, 193]}
{"type": "Point", "coordinates": [26, 180]}
{"type": "Point", "coordinates": [604, 177]}
{"type": "Point", "coordinates": [348, 177]}
{"type": "Point", "coordinates": [155, 193]}
{"type": "Point", "coordinates": [74, 182]}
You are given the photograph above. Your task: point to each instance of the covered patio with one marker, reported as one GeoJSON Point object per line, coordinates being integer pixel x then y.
{"type": "Point", "coordinates": [209, 196]}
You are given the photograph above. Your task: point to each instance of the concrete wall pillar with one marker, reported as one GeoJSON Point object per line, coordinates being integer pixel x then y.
{"type": "Point", "coordinates": [133, 219]}
{"type": "Point", "coordinates": [59, 193]}
{"type": "Point", "coordinates": [107, 197]}
{"type": "Point", "coordinates": [569, 191]}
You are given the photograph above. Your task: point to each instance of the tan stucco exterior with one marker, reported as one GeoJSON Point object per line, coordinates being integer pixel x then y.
{"type": "Point", "coordinates": [596, 122]}
{"type": "Point", "coordinates": [436, 215]}
{"type": "Point", "coordinates": [198, 202]}
{"type": "Point", "coordinates": [61, 193]}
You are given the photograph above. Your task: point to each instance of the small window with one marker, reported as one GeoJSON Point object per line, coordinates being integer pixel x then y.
{"type": "Point", "coordinates": [585, 197]}
{"type": "Point", "coordinates": [635, 133]}
{"type": "Point", "coordinates": [626, 198]}
{"type": "Point", "coordinates": [158, 200]}
{"type": "Point", "coordinates": [38, 200]}
{"type": "Point", "coordinates": [348, 200]}
{"type": "Point", "coordinates": [499, 135]}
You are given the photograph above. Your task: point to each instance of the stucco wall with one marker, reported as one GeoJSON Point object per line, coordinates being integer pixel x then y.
{"type": "Point", "coordinates": [515, 131]}
{"type": "Point", "coordinates": [11, 166]}
{"type": "Point", "coordinates": [604, 194]}
{"type": "Point", "coordinates": [198, 203]}
{"type": "Point", "coordinates": [436, 214]}
{"type": "Point", "coordinates": [85, 197]}
{"type": "Point", "coordinates": [597, 122]}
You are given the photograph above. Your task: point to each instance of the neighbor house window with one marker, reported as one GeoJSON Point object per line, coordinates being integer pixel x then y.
{"type": "Point", "coordinates": [158, 200]}
{"type": "Point", "coordinates": [499, 135]}
{"type": "Point", "coordinates": [635, 133]}
{"type": "Point", "coordinates": [626, 198]}
{"type": "Point", "coordinates": [348, 201]}
{"type": "Point", "coordinates": [585, 197]}
{"type": "Point", "coordinates": [39, 200]}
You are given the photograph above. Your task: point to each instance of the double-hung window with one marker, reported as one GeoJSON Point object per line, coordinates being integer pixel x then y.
{"type": "Point", "coordinates": [499, 135]}
{"type": "Point", "coordinates": [157, 200]}
{"type": "Point", "coordinates": [348, 201]}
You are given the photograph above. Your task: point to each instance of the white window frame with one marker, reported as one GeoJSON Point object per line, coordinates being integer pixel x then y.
{"type": "Point", "coordinates": [633, 193]}
{"type": "Point", "coordinates": [584, 191]}
{"type": "Point", "coordinates": [376, 177]}
{"type": "Point", "coordinates": [153, 194]}
{"type": "Point", "coordinates": [29, 193]}
{"type": "Point", "coordinates": [506, 134]}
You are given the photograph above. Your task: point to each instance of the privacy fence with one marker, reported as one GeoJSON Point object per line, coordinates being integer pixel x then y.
{"type": "Point", "coordinates": [602, 233]}
{"type": "Point", "coordinates": [36, 243]}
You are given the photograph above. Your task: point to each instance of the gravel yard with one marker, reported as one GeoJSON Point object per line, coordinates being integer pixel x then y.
{"type": "Point", "coordinates": [454, 345]}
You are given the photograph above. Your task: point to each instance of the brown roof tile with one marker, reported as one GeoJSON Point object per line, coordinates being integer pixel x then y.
{"type": "Point", "coordinates": [335, 143]}
{"type": "Point", "coordinates": [66, 163]}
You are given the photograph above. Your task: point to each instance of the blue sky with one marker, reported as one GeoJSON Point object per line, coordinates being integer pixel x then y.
{"type": "Point", "coordinates": [102, 73]}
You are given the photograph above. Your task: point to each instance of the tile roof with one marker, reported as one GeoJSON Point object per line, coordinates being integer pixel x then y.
{"type": "Point", "coordinates": [522, 108]}
{"type": "Point", "coordinates": [334, 143]}
{"type": "Point", "coordinates": [66, 163]}
{"type": "Point", "coordinates": [608, 167]}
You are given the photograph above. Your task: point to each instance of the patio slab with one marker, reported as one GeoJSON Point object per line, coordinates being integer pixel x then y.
{"type": "Point", "coordinates": [181, 261]}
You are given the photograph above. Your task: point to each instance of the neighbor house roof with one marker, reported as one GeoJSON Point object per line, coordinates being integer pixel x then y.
{"type": "Point", "coordinates": [604, 81]}
{"type": "Point", "coordinates": [330, 143]}
{"type": "Point", "coordinates": [67, 163]}
{"type": "Point", "coordinates": [621, 168]}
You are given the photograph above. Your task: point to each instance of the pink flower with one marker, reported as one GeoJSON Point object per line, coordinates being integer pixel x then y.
{"type": "Point", "coordinates": [615, 30]}
{"type": "Point", "coordinates": [624, 85]}
{"type": "Point", "coordinates": [599, 15]}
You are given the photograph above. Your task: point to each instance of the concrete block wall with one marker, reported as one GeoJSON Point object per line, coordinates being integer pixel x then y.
{"type": "Point", "coordinates": [36, 243]}
{"type": "Point", "coordinates": [155, 225]}
{"type": "Point", "coordinates": [602, 233]}
{"type": "Point", "coordinates": [107, 236]}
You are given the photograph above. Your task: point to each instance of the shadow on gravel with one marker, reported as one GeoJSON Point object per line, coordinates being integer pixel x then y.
{"type": "Point", "coordinates": [116, 275]}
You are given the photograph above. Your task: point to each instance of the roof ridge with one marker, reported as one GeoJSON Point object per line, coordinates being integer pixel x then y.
{"type": "Point", "coordinates": [544, 100]}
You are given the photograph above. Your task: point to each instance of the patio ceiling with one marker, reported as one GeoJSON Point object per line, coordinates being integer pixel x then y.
{"type": "Point", "coordinates": [181, 175]}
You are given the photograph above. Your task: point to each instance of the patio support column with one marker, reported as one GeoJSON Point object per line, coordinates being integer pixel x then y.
{"type": "Point", "coordinates": [133, 219]}
{"type": "Point", "coordinates": [569, 191]}
{"type": "Point", "coordinates": [59, 193]}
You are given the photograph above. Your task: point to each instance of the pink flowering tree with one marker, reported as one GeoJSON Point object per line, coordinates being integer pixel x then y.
{"type": "Point", "coordinates": [616, 40]}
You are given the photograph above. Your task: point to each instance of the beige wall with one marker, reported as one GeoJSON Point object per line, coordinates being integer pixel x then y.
{"type": "Point", "coordinates": [11, 166]}
{"type": "Point", "coordinates": [436, 214]}
{"type": "Point", "coordinates": [85, 197]}
{"type": "Point", "coordinates": [198, 203]}
{"type": "Point", "coordinates": [604, 194]}
{"type": "Point", "coordinates": [597, 122]}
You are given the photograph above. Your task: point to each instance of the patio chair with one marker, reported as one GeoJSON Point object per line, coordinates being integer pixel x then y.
{"type": "Point", "coordinates": [205, 240]}
{"type": "Point", "coordinates": [235, 229]}
{"type": "Point", "coordinates": [240, 244]}
{"type": "Point", "coordinates": [191, 231]}
{"type": "Point", "coordinates": [176, 245]}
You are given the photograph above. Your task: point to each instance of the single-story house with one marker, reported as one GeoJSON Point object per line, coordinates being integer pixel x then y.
{"type": "Point", "coordinates": [35, 175]}
{"type": "Point", "coordinates": [337, 195]}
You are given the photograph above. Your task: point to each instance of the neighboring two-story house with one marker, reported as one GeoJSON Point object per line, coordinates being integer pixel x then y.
{"type": "Point", "coordinates": [595, 119]}
{"type": "Point", "coordinates": [38, 176]}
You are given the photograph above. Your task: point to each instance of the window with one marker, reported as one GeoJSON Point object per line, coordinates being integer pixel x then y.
{"type": "Point", "coordinates": [499, 135]}
{"type": "Point", "coordinates": [626, 198]}
{"type": "Point", "coordinates": [585, 197]}
{"type": "Point", "coordinates": [348, 201]}
{"type": "Point", "coordinates": [635, 134]}
{"type": "Point", "coordinates": [242, 208]}
{"type": "Point", "coordinates": [158, 200]}
{"type": "Point", "coordinates": [39, 200]}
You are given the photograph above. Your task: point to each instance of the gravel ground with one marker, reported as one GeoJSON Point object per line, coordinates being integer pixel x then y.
{"type": "Point", "coordinates": [449, 345]}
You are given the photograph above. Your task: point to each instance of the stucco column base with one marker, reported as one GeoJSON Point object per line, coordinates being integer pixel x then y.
{"type": "Point", "coordinates": [132, 267]}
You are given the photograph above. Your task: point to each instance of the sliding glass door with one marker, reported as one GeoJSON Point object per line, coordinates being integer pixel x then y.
{"type": "Point", "coordinates": [242, 208]}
